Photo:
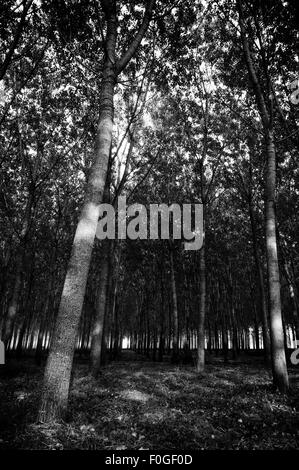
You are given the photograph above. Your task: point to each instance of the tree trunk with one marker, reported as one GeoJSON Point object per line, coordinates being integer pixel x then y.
{"type": "Point", "coordinates": [294, 298]}
{"type": "Point", "coordinates": [98, 328]}
{"type": "Point", "coordinates": [234, 332]}
{"type": "Point", "coordinates": [161, 338]}
{"type": "Point", "coordinates": [59, 364]}
{"type": "Point", "coordinates": [14, 303]}
{"type": "Point", "coordinates": [279, 367]}
{"type": "Point", "coordinates": [175, 345]}
{"type": "Point", "coordinates": [256, 331]}
{"type": "Point", "coordinates": [202, 310]}
{"type": "Point", "coordinates": [21, 254]}
{"type": "Point", "coordinates": [224, 339]}
{"type": "Point", "coordinates": [261, 285]}
{"type": "Point", "coordinates": [41, 333]}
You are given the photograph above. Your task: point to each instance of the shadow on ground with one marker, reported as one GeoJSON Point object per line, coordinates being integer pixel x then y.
{"type": "Point", "coordinates": [145, 405]}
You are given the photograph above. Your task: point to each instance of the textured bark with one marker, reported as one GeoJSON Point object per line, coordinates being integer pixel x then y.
{"type": "Point", "coordinates": [202, 311]}
{"type": "Point", "coordinates": [279, 367]}
{"type": "Point", "coordinates": [59, 364]}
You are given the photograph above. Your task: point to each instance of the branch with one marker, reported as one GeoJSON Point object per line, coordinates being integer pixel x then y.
{"type": "Point", "coordinates": [251, 70]}
{"type": "Point", "coordinates": [127, 56]}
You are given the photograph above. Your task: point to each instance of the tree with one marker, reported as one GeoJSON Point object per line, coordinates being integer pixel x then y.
{"type": "Point", "coordinates": [279, 367]}
{"type": "Point", "coordinates": [58, 369]}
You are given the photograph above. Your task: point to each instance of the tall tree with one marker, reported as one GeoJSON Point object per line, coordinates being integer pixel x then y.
{"type": "Point", "coordinates": [265, 106]}
{"type": "Point", "coordinates": [59, 364]}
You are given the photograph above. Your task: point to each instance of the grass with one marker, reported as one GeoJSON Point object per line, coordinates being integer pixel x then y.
{"type": "Point", "coordinates": [145, 405]}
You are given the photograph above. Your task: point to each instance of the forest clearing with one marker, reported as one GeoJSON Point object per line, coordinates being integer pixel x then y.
{"type": "Point", "coordinates": [149, 201]}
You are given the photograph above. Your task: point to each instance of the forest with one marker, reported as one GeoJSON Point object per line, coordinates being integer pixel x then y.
{"type": "Point", "coordinates": [159, 337]}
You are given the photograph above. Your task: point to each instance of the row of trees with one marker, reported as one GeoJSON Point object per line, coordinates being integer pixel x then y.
{"type": "Point", "coordinates": [102, 99]}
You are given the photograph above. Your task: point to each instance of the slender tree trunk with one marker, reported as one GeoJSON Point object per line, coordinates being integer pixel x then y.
{"type": "Point", "coordinates": [148, 333]}
{"type": "Point", "coordinates": [26, 316]}
{"type": "Point", "coordinates": [155, 336]}
{"type": "Point", "coordinates": [256, 332]}
{"type": "Point", "coordinates": [3, 285]}
{"type": "Point", "coordinates": [224, 341]}
{"type": "Point", "coordinates": [98, 328]}
{"type": "Point", "coordinates": [162, 338]}
{"type": "Point", "coordinates": [200, 365]}
{"type": "Point", "coordinates": [234, 331]}
{"type": "Point", "coordinates": [59, 364]}
{"type": "Point", "coordinates": [47, 308]}
{"type": "Point", "coordinates": [114, 317]}
{"type": "Point", "coordinates": [175, 345]}
{"type": "Point", "coordinates": [21, 254]}
{"type": "Point", "coordinates": [294, 298]}
{"type": "Point", "coordinates": [40, 339]}
{"type": "Point", "coordinates": [115, 345]}
{"type": "Point", "coordinates": [14, 303]}
{"type": "Point", "coordinates": [261, 285]}
{"type": "Point", "coordinates": [216, 333]}
{"type": "Point", "coordinates": [279, 367]}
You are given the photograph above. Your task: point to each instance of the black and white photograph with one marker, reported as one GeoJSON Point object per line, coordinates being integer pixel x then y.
{"type": "Point", "coordinates": [149, 228]}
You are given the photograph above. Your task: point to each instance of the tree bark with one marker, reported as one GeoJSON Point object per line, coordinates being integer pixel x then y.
{"type": "Point", "coordinates": [59, 364]}
{"type": "Point", "coordinates": [279, 367]}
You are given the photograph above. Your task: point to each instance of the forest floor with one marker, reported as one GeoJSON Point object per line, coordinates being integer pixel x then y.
{"type": "Point", "coordinates": [146, 405]}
